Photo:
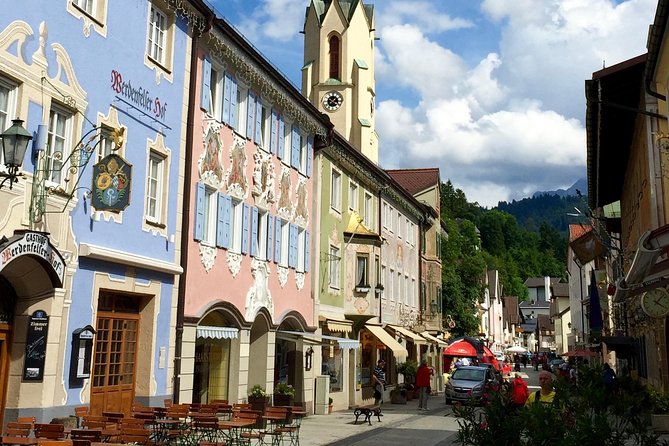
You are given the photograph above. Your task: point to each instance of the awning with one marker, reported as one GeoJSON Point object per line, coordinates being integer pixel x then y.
{"type": "Point", "coordinates": [338, 325]}
{"type": "Point", "coordinates": [399, 352]}
{"type": "Point", "coordinates": [434, 339]}
{"type": "Point", "coordinates": [315, 339]}
{"type": "Point", "coordinates": [409, 335]}
{"type": "Point", "coordinates": [209, 332]}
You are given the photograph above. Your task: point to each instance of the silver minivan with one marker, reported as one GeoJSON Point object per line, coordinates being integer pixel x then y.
{"type": "Point", "coordinates": [469, 383]}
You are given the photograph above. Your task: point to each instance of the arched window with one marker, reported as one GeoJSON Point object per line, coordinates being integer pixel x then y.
{"type": "Point", "coordinates": [334, 58]}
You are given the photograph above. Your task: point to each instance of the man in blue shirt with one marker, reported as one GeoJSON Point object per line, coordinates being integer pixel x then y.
{"type": "Point", "coordinates": [379, 377]}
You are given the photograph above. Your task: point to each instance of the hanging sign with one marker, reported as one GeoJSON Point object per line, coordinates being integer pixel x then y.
{"type": "Point", "coordinates": [33, 244]}
{"type": "Point", "coordinates": [36, 336]}
{"type": "Point", "coordinates": [112, 178]}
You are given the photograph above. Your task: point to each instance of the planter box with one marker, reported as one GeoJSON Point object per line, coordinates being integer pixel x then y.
{"type": "Point", "coordinates": [398, 397]}
{"type": "Point", "coordinates": [660, 423]}
{"type": "Point", "coordinates": [283, 400]}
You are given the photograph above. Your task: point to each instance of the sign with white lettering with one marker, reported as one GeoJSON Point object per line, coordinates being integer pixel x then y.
{"type": "Point", "coordinates": [36, 336]}
{"type": "Point", "coordinates": [33, 244]}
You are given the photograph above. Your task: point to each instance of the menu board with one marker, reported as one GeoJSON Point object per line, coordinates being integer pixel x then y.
{"type": "Point", "coordinates": [36, 336]}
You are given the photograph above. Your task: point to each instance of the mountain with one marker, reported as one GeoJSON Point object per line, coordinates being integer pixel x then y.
{"type": "Point", "coordinates": [581, 185]}
{"type": "Point", "coordinates": [555, 210]}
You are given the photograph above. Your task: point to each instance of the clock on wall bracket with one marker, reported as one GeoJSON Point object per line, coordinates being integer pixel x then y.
{"type": "Point", "coordinates": [332, 100]}
{"type": "Point", "coordinates": [655, 303]}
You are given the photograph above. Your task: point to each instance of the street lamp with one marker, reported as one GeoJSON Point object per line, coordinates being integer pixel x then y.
{"type": "Point", "coordinates": [14, 144]}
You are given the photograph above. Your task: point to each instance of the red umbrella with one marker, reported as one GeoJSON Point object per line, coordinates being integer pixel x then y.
{"type": "Point", "coordinates": [580, 354]}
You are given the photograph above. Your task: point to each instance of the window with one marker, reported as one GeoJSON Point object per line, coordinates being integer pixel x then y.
{"type": "Point", "coordinates": [407, 294]}
{"type": "Point", "coordinates": [369, 210]}
{"type": "Point", "coordinates": [154, 188]}
{"type": "Point", "coordinates": [266, 122]}
{"type": "Point", "coordinates": [301, 249]}
{"type": "Point", "coordinates": [260, 234]}
{"type": "Point", "coordinates": [236, 226]}
{"type": "Point", "coordinates": [156, 46]}
{"type": "Point", "coordinates": [334, 267]}
{"type": "Point", "coordinates": [384, 215]}
{"type": "Point", "coordinates": [335, 191]}
{"type": "Point", "coordinates": [303, 154]}
{"type": "Point", "coordinates": [413, 292]}
{"type": "Point", "coordinates": [85, 5]}
{"type": "Point", "coordinates": [391, 288]}
{"type": "Point", "coordinates": [106, 145]}
{"type": "Point", "coordinates": [399, 224]}
{"type": "Point", "coordinates": [216, 89]}
{"type": "Point", "coordinates": [7, 106]}
{"type": "Point", "coordinates": [58, 142]}
{"type": "Point", "coordinates": [286, 155]}
{"type": "Point", "coordinates": [334, 58]}
{"type": "Point", "coordinates": [411, 233]}
{"type": "Point", "coordinates": [285, 243]}
{"type": "Point", "coordinates": [391, 219]}
{"type": "Point", "coordinates": [238, 113]}
{"type": "Point", "coordinates": [210, 216]}
{"type": "Point", "coordinates": [361, 279]}
{"type": "Point", "coordinates": [352, 195]}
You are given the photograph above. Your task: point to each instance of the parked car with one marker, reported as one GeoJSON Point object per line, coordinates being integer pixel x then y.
{"type": "Point", "coordinates": [555, 364]}
{"type": "Point", "coordinates": [499, 356]}
{"type": "Point", "coordinates": [470, 384]}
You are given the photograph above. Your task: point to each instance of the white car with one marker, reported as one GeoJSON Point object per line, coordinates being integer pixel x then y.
{"type": "Point", "coordinates": [499, 356]}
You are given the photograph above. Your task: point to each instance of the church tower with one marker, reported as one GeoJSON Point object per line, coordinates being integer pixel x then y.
{"type": "Point", "coordinates": [338, 72]}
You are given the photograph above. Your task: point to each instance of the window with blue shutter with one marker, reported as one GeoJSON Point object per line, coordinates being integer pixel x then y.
{"type": "Point", "coordinates": [205, 96]}
{"type": "Point", "coordinates": [277, 241]}
{"type": "Point", "coordinates": [246, 211]}
{"type": "Point", "coordinates": [270, 237]}
{"type": "Point", "coordinates": [223, 221]}
{"type": "Point", "coordinates": [274, 126]}
{"type": "Point", "coordinates": [306, 251]}
{"type": "Point", "coordinates": [310, 154]}
{"type": "Point", "coordinates": [227, 93]}
{"type": "Point", "coordinates": [250, 117]}
{"type": "Point", "coordinates": [295, 147]}
{"type": "Point", "coordinates": [282, 137]}
{"type": "Point", "coordinates": [258, 137]}
{"type": "Point", "coordinates": [233, 103]}
{"type": "Point", "coordinates": [254, 231]}
{"type": "Point", "coordinates": [292, 246]}
{"type": "Point", "coordinates": [199, 212]}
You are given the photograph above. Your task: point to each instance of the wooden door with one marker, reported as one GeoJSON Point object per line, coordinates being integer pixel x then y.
{"type": "Point", "coordinates": [114, 367]}
{"type": "Point", "coordinates": [5, 335]}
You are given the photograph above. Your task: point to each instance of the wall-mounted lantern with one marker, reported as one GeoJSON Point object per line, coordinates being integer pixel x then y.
{"type": "Point", "coordinates": [82, 351]}
{"type": "Point", "coordinates": [14, 144]}
{"type": "Point", "coordinates": [308, 358]}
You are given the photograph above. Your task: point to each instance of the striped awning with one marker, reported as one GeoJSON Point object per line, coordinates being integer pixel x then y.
{"type": "Point", "coordinates": [209, 332]}
{"type": "Point", "coordinates": [312, 338]}
{"type": "Point", "coordinates": [339, 325]}
{"type": "Point", "coordinates": [409, 335]}
{"type": "Point", "coordinates": [399, 352]}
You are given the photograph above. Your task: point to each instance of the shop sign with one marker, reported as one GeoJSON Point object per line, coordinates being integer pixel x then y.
{"type": "Point", "coordinates": [112, 178]}
{"type": "Point", "coordinates": [36, 336]}
{"type": "Point", "coordinates": [35, 244]}
{"type": "Point", "coordinates": [139, 96]}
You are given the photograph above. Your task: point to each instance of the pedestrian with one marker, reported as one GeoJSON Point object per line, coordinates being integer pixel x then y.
{"type": "Point", "coordinates": [379, 377]}
{"type": "Point", "coordinates": [458, 363]}
{"type": "Point", "coordinates": [519, 392]}
{"type": "Point", "coordinates": [523, 359]}
{"type": "Point", "coordinates": [609, 377]}
{"type": "Point", "coordinates": [545, 394]}
{"type": "Point", "coordinates": [423, 384]}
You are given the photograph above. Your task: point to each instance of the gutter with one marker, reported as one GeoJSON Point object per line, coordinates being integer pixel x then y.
{"type": "Point", "coordinates": [654, 44]}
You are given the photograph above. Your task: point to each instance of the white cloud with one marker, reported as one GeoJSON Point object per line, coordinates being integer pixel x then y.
{"type": "Point", "coordinates": [423, 14]}
{"type": "Point", "coordinates": [281, 20]}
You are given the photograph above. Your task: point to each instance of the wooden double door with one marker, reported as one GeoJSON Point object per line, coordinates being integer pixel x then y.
{"type": "Point", "coordinates": [114, 362]}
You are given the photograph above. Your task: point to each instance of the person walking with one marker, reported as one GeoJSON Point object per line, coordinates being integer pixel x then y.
{"type": "Point", "coordinates": [519, 392]}
{"type": "Point", "coordinates": [609, 377]}
{"type": "Point", "coordinates": [423, 384]}
{"type": "Point", "coordinates": [379, 377]}
{"type": "Point", "coordinates": [546, 394]}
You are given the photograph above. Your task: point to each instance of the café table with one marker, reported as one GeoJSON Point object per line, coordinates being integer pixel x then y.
{"type": "Point", "coordinates": [234, 429]}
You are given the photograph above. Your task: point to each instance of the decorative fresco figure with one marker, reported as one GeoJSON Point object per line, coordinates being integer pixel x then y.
{"type": "Point", "coordinates": [263, 178]}
{"type": "Point", "coordinates": [237, 176]}
{"type": "Point", "coordinates": [301, 209]}
{"type": "Point", "coordinates": [210, 160]}
{"type": "Point", "coordinates": [284, 191]}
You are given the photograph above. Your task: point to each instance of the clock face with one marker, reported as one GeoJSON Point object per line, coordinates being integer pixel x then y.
{"type": "Point", "coordinates": [655, 303]}
{"type": "Point", "coordinates": [332, 100]}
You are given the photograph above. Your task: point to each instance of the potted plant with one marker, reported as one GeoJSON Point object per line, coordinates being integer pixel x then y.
{"type": "Point", "coordinates": [659, 407]}
{"type": "Point", "coordinates": [399, 394]}
{"type": "Point", "coordinates": [329, 405]}
{"type": "Point", "coordinates": [284, 395]}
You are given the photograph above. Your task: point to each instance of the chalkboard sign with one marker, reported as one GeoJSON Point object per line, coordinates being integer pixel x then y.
{"type": "Point", "coordinates": [33, 365]}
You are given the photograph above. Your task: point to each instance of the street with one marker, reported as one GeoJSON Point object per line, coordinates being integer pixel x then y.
{"type": "Point", "coordinates": [402, 424]}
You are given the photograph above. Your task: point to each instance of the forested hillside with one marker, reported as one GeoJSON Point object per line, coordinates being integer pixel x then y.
{"type": "Point", "coordinates": [521, 239]}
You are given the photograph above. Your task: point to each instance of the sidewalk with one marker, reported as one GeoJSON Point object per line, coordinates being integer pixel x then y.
{"type": "Point", "coordinates": [401, 424]}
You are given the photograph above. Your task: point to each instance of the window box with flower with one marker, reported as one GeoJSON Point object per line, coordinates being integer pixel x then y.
{"type": "Point", "coordinates": [284, 395]}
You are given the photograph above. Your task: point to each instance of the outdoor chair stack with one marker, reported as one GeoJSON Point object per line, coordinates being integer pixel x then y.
{"type": "Point", "coordinates": [18, 434]}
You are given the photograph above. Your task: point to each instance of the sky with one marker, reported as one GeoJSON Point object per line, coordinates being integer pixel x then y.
{"type": "Point", "coordinates": [489, 91]}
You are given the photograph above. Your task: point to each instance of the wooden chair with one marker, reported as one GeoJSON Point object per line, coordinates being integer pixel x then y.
{"type": "Point", "coordinates": [29, 420]}
{"type": "Point", "coordinates": [135, 435]}
{"type": "Point", "coordinates": [168, 402]}
{"type": "Point", "coordinates": [44, 442]}
{"type": "Point", "coordinates": [50, 431]}
{"type": "Point", "coordinates": [113, 417]}
{"type": "Point", "coordinates": [204, 427]}
{"type": "Point", "coordinates": [80, 412]}
{"type": "Point", "coordinates": [18, 434]}
{"type": "Point", "coordinates": [91, 435]}
{"type": "Point", "coordinates": [94, 422]}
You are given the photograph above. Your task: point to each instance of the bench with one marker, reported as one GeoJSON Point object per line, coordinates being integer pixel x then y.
{"type": "Point", "coordinates": [368, 412]}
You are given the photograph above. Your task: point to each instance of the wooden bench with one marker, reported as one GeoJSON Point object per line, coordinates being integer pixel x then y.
{"type": "Point", "coordinates": [368, 412]}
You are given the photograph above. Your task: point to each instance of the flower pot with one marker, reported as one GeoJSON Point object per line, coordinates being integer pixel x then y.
{"type": "Point", "coordinates": [259, 403]}
{"type": "Point", "coordinates": [398, 397]}
{"type": "Point", "coordinates": [660, 422]}
{"type": "Point", "coordinates": [281, 399]}
{"type": "Point", "coordinates": [329, 408]}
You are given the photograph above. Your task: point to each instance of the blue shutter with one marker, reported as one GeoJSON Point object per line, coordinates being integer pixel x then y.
{"type": "Point", "coordinates": [246, 210]}
{"type": "Point", "coordinates": [306, 252]}
{"type": "Point", "coordinates": [233, 103]}
{"type": "Point", "coordinates": [259, 134]}
{"type": "Point", "coordinates": [310, 154]}
{"type": "Point", "coordinates": [292, 246]}
{"type": "Point", "coordinates": [199, 212]}
{"type": "Point", "coordinates": [270, 237]}
{"type": "Point", "coordinates": [274, 124]}
{"type": "Point", "coordinates": [227, 89]}
{"type": "Point", "coordinates": [205, 96]}
{"type": "Point", "coordinates": [223, 225]}
{"type": "Point", "coordinates": [250, 114]}
{"type": "Point", "coordinates": [277, 241]}
{"type": "Point", "coordinates": [254, 231]}
{"type": "Point", "coordinates": [282, 136]}
{"type": "Point", "coordinates": [295, 148]}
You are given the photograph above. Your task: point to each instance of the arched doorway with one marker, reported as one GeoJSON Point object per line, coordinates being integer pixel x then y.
{"type": "Point", "coordinates": [259, 350]}
{"type": "Point", "coordinates": [289, 354]}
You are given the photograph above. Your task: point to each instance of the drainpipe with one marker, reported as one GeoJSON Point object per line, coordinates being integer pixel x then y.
{"type": "Point", "coordinates": [186, 210]}
{"type": "Point", "coordinates": [379, 226]}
